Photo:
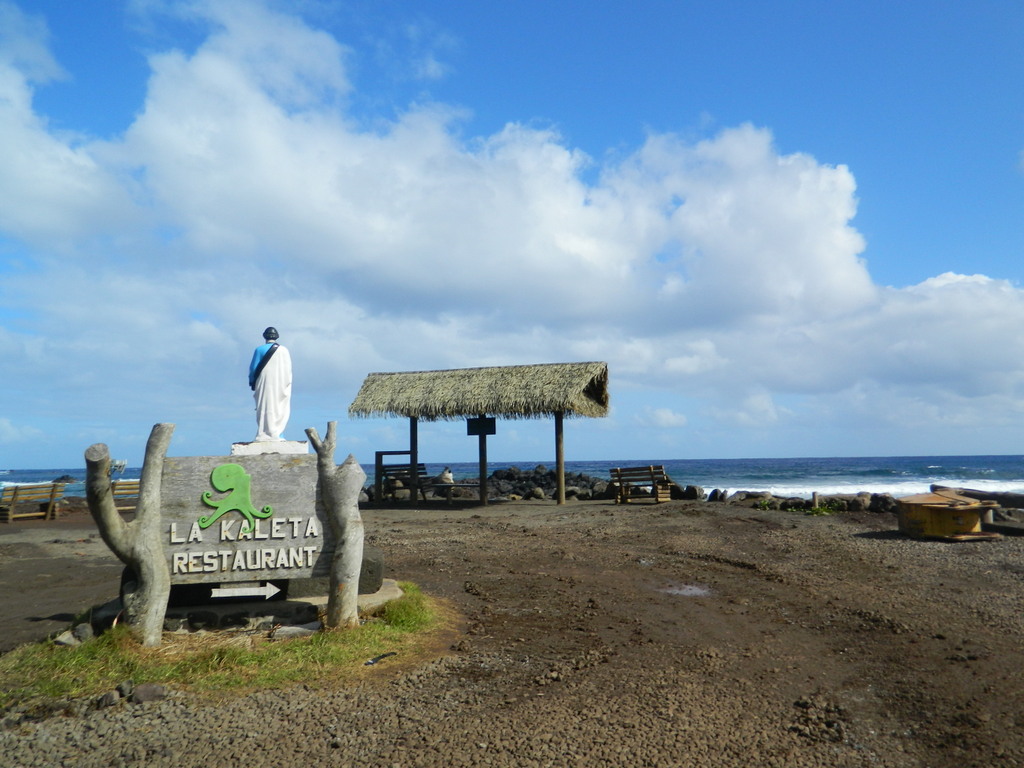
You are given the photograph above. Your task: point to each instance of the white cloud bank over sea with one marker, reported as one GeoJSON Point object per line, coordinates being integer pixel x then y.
{"type": "Point", "coordinates": [724, 282]}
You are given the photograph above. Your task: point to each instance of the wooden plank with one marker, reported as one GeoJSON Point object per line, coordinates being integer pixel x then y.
{"type": "Point", "coordinates": [126, 494]}
{"type": "Point", "coordinates": [403, 470]}
{"type": "Point", "coordinates": [651, 472]}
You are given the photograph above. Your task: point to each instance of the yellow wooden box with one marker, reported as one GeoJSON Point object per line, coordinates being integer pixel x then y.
{"type": "Point", "coordinates": [942, 516]}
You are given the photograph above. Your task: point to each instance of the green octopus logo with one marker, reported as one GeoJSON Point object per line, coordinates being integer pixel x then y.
{"type": "Point", "coordinates": [233, 480]}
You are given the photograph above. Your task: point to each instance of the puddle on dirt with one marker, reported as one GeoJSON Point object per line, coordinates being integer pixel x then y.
{"type": "Point", "coordinates": [687, 590]}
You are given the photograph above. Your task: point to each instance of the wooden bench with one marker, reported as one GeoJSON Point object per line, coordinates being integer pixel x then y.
{"type": "Point", "coordinates": [126, 495]}
{"type": "Point", "coordinates": [387, 474]}
{"type": "Point", "coordinates": [627, 478]}
{"type": "Point", "coordinates": [42, 496]}
{"type": "Point", "coordinates": [383, 474]}
{"type": "Point", "coordinates": [426, 482]}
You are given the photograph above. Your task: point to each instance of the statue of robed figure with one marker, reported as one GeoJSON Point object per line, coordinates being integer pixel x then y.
{"type": "Point", "coordinates": [270, 378]}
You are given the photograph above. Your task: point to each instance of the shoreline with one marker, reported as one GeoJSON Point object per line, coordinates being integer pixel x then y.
{"type": "Point", "coordinates": [783, 478]}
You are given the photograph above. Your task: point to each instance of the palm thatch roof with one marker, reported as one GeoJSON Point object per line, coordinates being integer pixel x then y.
{"type": "Point", "coordinates": [512, 391]}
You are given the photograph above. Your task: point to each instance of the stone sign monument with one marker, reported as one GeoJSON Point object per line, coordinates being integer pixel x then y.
{"type": "Point", "coordinates": [228, 519]}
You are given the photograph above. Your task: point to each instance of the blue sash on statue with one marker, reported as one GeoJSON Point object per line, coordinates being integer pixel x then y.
{"type": "Point", "coordinates": [262, 364]}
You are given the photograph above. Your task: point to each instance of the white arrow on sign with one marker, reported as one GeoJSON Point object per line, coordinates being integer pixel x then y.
{"type": "Point", "coordinates": [246, 589]}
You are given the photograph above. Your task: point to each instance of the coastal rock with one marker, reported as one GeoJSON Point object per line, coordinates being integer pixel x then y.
{"type": "Point", "coordinates": [66, 638]}
{"type": "Point", "coordinates": [108, 699]}
{"type": "Point", "coordinates": [689, 493]}
{"type": "Point", "coordinates": [1004, 499]}
{"type": "Point", "coordinates": [293, 631]}
{"type": "Point", "coordinates": [860, 503]}
{"type": "Point", "coordinates": [883, 503]}
{"type": "Point", "coordinates": [748, 498]}
{"type": "Point", "coordinates": [146, 692]}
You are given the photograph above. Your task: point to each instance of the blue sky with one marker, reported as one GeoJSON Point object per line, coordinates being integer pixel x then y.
{"type": "Point", "coordinates": [790, 228]}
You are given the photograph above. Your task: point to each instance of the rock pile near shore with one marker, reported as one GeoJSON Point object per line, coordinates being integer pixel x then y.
{"type": "Point", "coordinates": [512, 484]}
{"type": "Point", "coordinates": [841, 502]}
{"type": "Point", "coordinates": [541, 483]}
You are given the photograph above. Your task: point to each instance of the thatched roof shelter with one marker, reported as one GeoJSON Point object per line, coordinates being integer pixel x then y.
{"type": "Point", "coordinates": [510, 391]}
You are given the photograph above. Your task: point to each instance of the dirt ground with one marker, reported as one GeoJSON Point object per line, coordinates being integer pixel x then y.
{"type": "Point", "coordinates": [51, 571]}
{"type": "Point", "coordinates": [685, 633]}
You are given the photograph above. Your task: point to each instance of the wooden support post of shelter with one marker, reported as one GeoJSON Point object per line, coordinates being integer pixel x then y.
{"type": "Point", "coordinates": [509, 392]}
{"type": "Point", "coordinates": [482, 449]}
{"type": "Point", "coordinates": [414, 455]}
{"type": "Point", "coordinates": [560, 456]}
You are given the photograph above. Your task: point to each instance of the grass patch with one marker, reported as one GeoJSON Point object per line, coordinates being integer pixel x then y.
{"type": "Point", "coordinates": [222, 661]}
{"type": "Point", "coordinates": [819, 511]}
{"type": "Point", "coordinates": [827, 507]}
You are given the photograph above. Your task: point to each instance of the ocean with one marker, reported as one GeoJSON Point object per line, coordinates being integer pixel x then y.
{"type": "Point", "coordinates": [896, 475]}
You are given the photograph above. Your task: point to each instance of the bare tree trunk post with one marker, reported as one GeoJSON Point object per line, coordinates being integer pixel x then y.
{"type": "Point", "coordinates": [137, 544]}
{"type": "Point", "coordinates": [340, 487]}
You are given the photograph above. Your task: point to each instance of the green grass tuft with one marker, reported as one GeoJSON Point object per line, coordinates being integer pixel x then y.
{"type": "Point", "coordinates": [411, 614]}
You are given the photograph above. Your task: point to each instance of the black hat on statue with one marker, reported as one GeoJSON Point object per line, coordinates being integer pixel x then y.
{"type": "Point", "coordinates": [270, 334]}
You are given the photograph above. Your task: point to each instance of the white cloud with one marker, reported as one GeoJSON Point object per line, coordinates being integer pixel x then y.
{"type": "Point", "coordinates": [245, 194]}
{"type": "Point", "coordinates": [54, 192]}
{"type": "Point", "coordinates": [757, 410]}
{"type": "Point", "coordinates": [24, 41]}
{"type": "Point", "coordinates": [662, 418]}
{"type": "Point", "coordinates": [12, 433]}
{"type": "Point", "coordinates": [757, 233]}
{"type": "Point", "coordinates": [702, 356]}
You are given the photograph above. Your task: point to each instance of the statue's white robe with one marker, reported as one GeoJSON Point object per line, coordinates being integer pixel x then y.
{"type": "Point", "coordinates": [273, 395]}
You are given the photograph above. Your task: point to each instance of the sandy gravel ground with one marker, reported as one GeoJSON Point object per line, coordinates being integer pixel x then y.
{"type": "Point", "coordinates": [680, 634]}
